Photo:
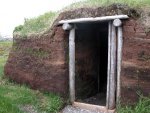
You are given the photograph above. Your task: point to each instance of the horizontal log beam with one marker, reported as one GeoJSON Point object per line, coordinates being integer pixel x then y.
{"type": "Point", "coordinates": [96, 19]}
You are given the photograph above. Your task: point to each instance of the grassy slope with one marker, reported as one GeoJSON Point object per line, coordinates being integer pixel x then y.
{"type": "Point", "coordinates": [43, 22]}
{"type": "Point", "coordinates": [36, 25]}
{"type": "Point", "coordinates": [13, 97]}
{"type": "Point", "coordinates": [143, 106]}
{"type": "Point", "coordinates": [5, 46]}
{"type": "Point", "coordinates": [96, 3]}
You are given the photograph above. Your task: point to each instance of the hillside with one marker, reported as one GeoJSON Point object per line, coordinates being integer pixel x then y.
{"type": "Point", "coordinates": [43, 22]}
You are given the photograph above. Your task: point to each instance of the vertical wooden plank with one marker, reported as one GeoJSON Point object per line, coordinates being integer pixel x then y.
{"type": "Point", "coordinates": [119, 59]}
{"type": "Point", "coordinates": [108, 66]}
{"type": "Point", "coordinates": [112, 79]}
{"type": "Point", "coordinates": [72, 64]}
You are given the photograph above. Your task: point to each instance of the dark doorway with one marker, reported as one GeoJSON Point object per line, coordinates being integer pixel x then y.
{"type": "Point", "coordinates": [91, 63]}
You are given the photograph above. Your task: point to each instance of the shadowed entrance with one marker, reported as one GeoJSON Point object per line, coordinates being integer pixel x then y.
{"type": "Point", "coordinates": [91, 63]}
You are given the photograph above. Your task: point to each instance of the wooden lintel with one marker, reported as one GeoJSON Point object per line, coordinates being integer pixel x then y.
{"type": "Point", "coordinates": [92, 19]}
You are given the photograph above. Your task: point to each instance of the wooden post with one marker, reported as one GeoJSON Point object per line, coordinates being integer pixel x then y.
{"type": "Point", "coordinates": [119, 59]}
{"type": "Point", "coordinates": [72, 64]}
{"type": "Point", "coordinates": [108, 67]}
{"type": "Point", "coordinates": [112, 78]}
{"type": "Point", "coordinates": [114, 63]}
{"type": "Point", "coordinates": [118, 23]}
{"type": "Point", "coordinates": [67, 26]}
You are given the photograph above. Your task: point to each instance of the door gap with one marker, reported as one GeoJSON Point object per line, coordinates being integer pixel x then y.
{"type": "Point", "coordinates": [91, 63]}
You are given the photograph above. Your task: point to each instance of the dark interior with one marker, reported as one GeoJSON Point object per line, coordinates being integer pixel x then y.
{"type": "Point", "coordinates": [91, 62]}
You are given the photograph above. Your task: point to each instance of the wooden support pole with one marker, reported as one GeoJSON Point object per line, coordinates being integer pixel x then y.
{"type": "Point", "coordinates": [108, 67]}
{"type": "Point", "coordinates": [112, 79]}
{"type": "Point", "coordinates": [72, 64]}
{"type": "Point", "coordinates": [67, 26]}
{"type": "Point", "coordinates": [117, 22]}
{"type": "Point", "coordinates": [119, 59]}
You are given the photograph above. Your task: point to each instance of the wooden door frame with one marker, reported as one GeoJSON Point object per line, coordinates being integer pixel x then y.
{"type": "Point", "coordinates": [115, 40]}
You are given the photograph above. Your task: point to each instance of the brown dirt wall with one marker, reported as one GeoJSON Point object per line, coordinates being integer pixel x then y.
{"type": "Point", "coordinates": [40, 61]}
{"type": "Point", "coordinates": [135, 75]}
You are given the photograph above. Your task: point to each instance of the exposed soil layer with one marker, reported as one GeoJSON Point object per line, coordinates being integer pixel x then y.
{"type": "Point", "coordinates": [41, 61]}
{"type": "Point", "coordinates": [135, 75]}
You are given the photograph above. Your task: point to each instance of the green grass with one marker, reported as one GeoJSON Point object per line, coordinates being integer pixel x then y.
{"type": "Point", "coordinates": [43, 22]}
{"type": "Point", "coordinates": [36, 25]}
{"type": "Point", "coordinates": [143, 106]}
{"type": "Point", "coordinates": [5, 47]}
{"type": "Point", "coordinates": [14, 97]}
{"type": "Point", "coordinates": [96, 3]}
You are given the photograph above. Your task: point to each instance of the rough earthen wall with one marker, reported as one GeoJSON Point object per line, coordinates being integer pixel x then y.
{"type": "Point", "coordinates": [135, 75]}
{"type": "Point", "coordinates": [40, 61]}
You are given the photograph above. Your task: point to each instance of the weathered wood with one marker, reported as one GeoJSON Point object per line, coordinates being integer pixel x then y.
{"type": "Point", "coordinates": [72, 64]}
{"type": "Point", "coordinates": [96, 19]}
{"type": "Point", "coordinates": [119, 59]}
{"type": "Point", "coordinates": [112, 79]}
{"type": "Point", "coordinates": [108, 66]}
{"type": "Point", "coordinates": [117, 22]}
{"type": "Point", "coordinates": [67, 26]}
{"type": "Point", "coordinates": [91, 107]}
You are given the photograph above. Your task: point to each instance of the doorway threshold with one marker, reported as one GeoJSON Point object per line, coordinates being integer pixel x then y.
{"type": "Point", "coordinates": [91, 107]}
{"type": "Point", "coordinates": [98, 99]}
